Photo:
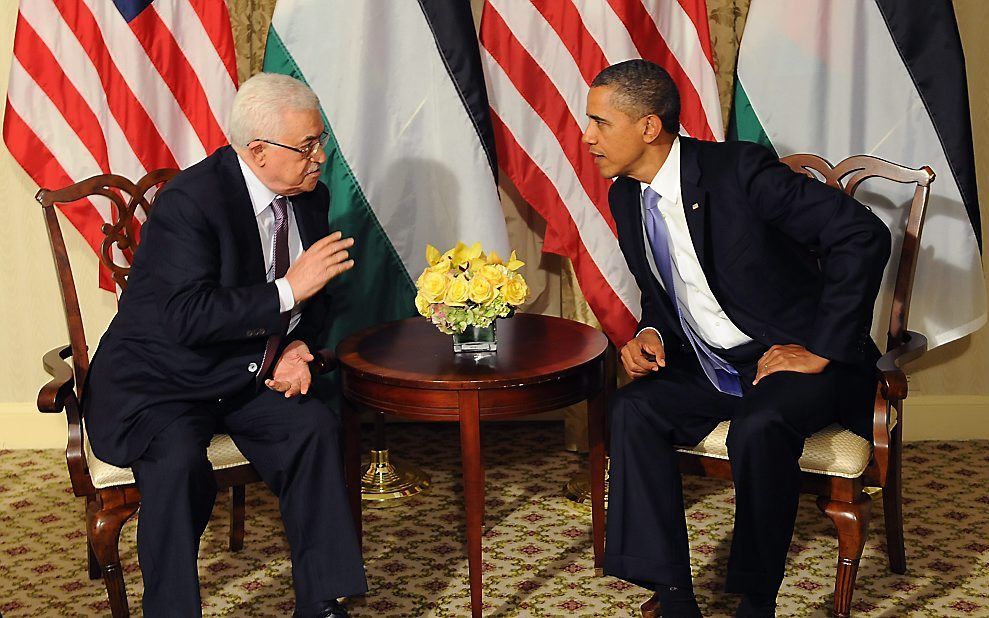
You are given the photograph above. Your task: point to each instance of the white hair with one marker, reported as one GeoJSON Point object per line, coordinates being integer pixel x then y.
{"type": "Point", "coordinates": [258, 107]}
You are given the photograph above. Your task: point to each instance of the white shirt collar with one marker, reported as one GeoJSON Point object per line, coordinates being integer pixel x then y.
{"type": "Point", "coordinates": [667, 179]}
{"type": "Point", "coordinates": [261, 196]}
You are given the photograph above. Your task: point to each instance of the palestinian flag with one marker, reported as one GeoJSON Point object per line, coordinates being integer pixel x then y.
{"type": "Point", "coordinates": [411, 159]}
{"type": "Point", "coordinates": [886, 78]}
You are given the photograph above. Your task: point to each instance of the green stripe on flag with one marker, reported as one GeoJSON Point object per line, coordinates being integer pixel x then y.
{"type": "Point", "coordinates": [745, 125]}
{"type": "Point", "coordinates": [378, 288]}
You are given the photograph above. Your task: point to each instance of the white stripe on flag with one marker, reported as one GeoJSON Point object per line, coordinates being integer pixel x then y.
{"type": "Point", "coordinates": [607, 29]}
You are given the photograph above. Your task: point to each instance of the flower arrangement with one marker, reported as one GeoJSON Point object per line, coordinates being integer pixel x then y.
{"type": "Point", "coordinates": [464, 287]}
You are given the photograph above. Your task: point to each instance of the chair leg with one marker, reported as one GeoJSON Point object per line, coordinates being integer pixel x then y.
{"type": "Point", "coordinates": [893, 507]}
{"type": "Point", "coordinates": [852, 521]}
{"type": "Point", "coordinates": [237, 515]}
{"type": "Point", "coordinates": [103, 531]}
{"type": "Point", "coordinates": [92, 564]}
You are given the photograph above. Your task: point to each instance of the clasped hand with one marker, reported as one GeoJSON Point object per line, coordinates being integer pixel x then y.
{"type": "Point", "coordinates": [291, 374]}
{"type": "Point", "coordinates": [789, 357]}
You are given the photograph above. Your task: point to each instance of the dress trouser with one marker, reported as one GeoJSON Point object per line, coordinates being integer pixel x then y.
{"type": "Point", "coordinates": [294, 444]}
{"type": "Point", "coordinates": [646, 529]}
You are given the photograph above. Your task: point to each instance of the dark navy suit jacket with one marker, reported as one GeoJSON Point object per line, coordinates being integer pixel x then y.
{"type": "Point", "coordinates": [789, 259]}
{"type": "Point", "coordinates": [193, 323]}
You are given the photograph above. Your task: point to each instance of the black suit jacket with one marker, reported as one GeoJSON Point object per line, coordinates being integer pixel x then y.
{"type": "Point", "coordinates": [193, 323]}
{"type": "Point", "coordinates": [789, 259]}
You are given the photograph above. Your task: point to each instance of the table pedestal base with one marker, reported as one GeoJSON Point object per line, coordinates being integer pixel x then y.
{"type": "Point", "coordinates": [384, 484]}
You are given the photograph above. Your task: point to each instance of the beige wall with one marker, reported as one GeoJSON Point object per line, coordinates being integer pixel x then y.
{"type": "Point", "coordinates": [951, 381]}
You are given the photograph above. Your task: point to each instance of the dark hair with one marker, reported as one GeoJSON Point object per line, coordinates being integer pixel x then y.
{"type": "Point", "coordinates": [643, 87]}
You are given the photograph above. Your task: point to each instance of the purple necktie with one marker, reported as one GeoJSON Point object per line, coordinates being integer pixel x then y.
{"type": "Point", "coordinates": [722, 375]}
{"type": "Point", "coordinates": [279, 254]}
{"type": "Point", "coordinates": [277, 270]}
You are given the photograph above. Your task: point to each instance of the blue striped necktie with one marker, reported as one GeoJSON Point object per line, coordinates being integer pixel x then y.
{"type": "Point", "coordinates": [722, 375]}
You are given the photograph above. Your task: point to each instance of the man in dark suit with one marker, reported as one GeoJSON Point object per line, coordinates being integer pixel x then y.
{"type": "Point", "coordinates": [758, 286]}
{"type": "Point", "coordinates": [214, 334]}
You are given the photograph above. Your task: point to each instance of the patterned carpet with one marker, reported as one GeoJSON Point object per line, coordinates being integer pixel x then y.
{"type": "Point", "coordinates": [537, 553]}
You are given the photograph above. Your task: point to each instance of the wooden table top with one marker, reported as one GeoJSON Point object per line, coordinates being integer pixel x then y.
{"type": "Point", "coordinates": [413, 353]}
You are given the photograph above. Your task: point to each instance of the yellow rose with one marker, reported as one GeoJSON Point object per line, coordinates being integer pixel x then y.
{"type": "Point", "coordinates": [432, 285]}
{"type": "Point", "coordinates": [441, 265]}
{"type": "Point", "coordinates": [495, 274]}
{"type": "Point", "coordinates": [423, 306]}
{"type": "Point", "coordinates": [481, 290]}
{"type": "Point", "coordinates": [458, 292]}
{"type": "Point", "coordinates": [515, 291]}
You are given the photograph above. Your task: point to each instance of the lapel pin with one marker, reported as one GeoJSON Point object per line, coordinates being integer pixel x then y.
{"type": "Point", "coordinates": [695, 207]}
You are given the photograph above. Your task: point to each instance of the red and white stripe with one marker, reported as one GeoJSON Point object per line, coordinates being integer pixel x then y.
{"type": "Point", "coordinates": [540, 57]}
{"type": "Point", "coordinates": [90, 93]}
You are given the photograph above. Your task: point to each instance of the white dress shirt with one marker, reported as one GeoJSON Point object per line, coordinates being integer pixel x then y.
{"type": "Point", "coordinates": [261, 197]}
{"type": "Point", "coordinates": [700, 308]}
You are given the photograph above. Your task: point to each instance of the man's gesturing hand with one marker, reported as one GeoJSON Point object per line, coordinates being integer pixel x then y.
{"type": "Point", "coordinates": [323, 260]}
{"type": "Point", "coordinates": [790, 357]}
{"type": "Point", "coordinates": [291, 374]}
{"type": "Point", "coordinates": [643, 354]}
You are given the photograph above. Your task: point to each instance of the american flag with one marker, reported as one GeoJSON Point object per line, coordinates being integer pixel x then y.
{"type": "Point", "coordinates": [540, 57]}
{"type": "Point", "coordinates": [122, 87]}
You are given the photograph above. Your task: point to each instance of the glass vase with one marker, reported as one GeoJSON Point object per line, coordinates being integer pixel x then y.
{"type": "Point", "coordinates": [476, 339]}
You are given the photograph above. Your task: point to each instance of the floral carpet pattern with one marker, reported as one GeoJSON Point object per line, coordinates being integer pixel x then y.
{"type": "Point", "coordinates": [537, 551]}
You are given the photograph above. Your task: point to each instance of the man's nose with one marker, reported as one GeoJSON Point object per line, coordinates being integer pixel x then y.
{"type": "Point", "coordinates": [586, 137]}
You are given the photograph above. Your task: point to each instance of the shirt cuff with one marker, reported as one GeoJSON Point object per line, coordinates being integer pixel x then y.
{"type": "Point", "coordinates": [286, 299]}
{"type": "Point", "coordinates": [658, 334]}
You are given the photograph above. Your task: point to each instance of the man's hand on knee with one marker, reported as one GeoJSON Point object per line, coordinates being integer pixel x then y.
{"type": "Point", "coordinates": [644, 354]}
{"type": "Point", "coordinates": [790, 357]}
{"type": "Point", "coordinates": [291, 374]}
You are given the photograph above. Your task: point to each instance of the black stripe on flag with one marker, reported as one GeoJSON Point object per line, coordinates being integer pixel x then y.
{"type": "Point", "coordinates": [452, 26]}
{"type": "Point", "coordinates": [926, 36]}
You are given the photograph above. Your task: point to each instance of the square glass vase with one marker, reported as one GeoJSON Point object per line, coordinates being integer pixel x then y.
{"type": "Point", "coordinates": [476, 339]}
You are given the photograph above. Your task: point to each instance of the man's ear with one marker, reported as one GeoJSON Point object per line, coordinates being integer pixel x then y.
{"type": "Point", "coordinates": [257, 151]}
{"type": "Point", "coordinates": [651, 128]}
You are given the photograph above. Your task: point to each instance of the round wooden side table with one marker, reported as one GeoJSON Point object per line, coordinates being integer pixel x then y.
{"type": "Point", "coordinates": [408, 369]}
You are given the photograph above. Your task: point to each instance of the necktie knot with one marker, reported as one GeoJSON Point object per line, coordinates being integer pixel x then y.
{"type": "Point", "coordinates": [650, 198]}
{"type": "Point", "coordinates": [279, 206]}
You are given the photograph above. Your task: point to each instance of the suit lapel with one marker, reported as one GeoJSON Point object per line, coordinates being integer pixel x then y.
{"type": "Point", "coordinates": [632, 208]}
{"type": "Point", "coordinates": [243, 220]}
{"type": "Point", "coordinates": [694, 197]}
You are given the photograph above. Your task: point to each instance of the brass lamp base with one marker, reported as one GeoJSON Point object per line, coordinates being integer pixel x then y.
{"type": "Point", "coordinates": [578, 488]}
{"type": "Point", "coordinates": [385, 485]}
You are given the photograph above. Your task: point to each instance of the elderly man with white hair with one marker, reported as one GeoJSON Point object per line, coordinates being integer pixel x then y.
{"type": "Point", "coordinates": [222, 310]}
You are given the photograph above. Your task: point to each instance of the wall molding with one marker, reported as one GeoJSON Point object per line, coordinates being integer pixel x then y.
{"type": "Point", "coordinates": [926, 417]}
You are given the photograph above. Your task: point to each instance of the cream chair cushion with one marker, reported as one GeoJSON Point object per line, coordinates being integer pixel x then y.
{"type": "Point", "coordinates": [222, 453]}
{"type": "Point", "coordinates": [834, 450]}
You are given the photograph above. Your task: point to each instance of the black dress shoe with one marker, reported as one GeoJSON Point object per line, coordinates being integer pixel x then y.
{"type": "Point", "coordinates": [329, 609]}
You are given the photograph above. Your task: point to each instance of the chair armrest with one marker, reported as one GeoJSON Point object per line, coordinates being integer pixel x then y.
{"type": "Point", "coordinates": [52, 396]}
{"type": "Point", "coordinates": [325, 361]}
{"type": "Point", "coordinates": [892, 380]}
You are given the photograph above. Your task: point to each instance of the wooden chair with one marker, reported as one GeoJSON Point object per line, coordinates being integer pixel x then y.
{"type": "Point", "coordinates": [111, 495]}
{"type": "Point", "coordinates": [837, 464]}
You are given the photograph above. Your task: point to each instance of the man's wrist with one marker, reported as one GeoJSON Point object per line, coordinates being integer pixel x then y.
{"type": "Point", "coordinates": [653, 329]}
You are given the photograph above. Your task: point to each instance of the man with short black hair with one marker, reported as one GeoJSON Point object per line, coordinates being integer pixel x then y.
{"type": "Point", "coordinates": [758, 286]}
{"type": "Point", "coordinates": [214, 334]}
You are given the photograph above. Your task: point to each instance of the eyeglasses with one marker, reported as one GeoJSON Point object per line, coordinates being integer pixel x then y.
{"type": "Point", "coordinates": [307, 150]}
